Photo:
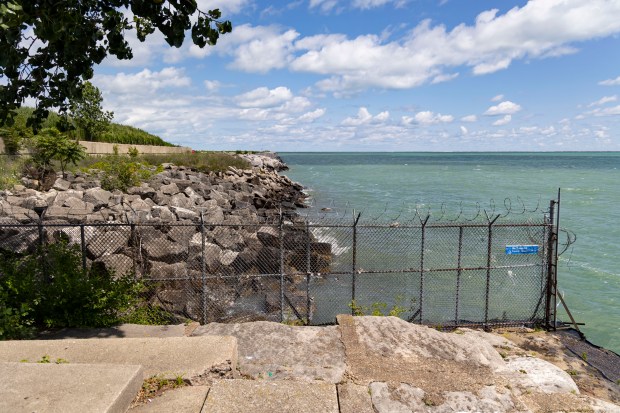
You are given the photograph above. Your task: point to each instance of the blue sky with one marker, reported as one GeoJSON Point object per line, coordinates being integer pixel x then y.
{"type": "Point", "coordinates": [382, 75]}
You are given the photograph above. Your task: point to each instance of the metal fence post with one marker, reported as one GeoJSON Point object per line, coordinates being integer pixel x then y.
{"type": "Point", "coordinates": [354, 265]}
{"type": "Point", "coordinates": [459, 272]}
{"type": "Point", "coordinates": [422, 266]}
{"type": "Point", "coordinates": [489, 259]}
{"type": "Point", "coordinates": [308, 272]}
{"type": "Point", "coordinates": [83, 247]}
{"type": "Point", "coordinates": [203, 269]}
{"type": "Point", "coordinates": [281, 238]}
{"type": "Point", "coordinates": [550, 312]}
{"type": "Point", "coordinates": [134, 255]}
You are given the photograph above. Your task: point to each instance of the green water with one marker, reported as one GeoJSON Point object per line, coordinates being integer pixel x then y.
{"type": "Point", "coordinates": [391, 186]}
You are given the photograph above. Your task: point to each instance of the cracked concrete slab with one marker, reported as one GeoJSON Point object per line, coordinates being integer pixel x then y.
{"type": "Point", "coordinates": [276, 351]}
{"type": "Point", "coordinates": [269, 396]}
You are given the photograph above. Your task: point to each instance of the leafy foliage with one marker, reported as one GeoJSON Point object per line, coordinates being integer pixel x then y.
{"type": "Point", "coordinates": [50, 289]}
{"type": "Point", "coordinates": [121, 172]}
{"type": "Point", "coordinates": [48, 49]}
{"type": "Point", "coordinates": [51, 145]}
{"type": "Point", "coordinates": [199, 161]}
{"type": "Point", "coordinates": [88, 114]}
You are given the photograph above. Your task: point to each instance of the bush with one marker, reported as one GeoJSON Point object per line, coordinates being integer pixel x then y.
{"type": "Point", "coordinates": [50, 289]}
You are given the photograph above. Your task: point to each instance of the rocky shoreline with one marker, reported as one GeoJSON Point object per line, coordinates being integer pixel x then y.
{"type": "Point", "coordinates": [179, 227]}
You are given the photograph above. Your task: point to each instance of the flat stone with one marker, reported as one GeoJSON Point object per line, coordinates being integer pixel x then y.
{"type": "Point", "coordinates": [120, 331]}
{"type": "Point", "coordinates": [540, 375]}
{"type": "Point", "coordinates": [184, 213]}
{"type": "Point", "coordinates": [170, 189]}
{"type": "Point", "coordinates": [68, 388]}
{"type": "Point", "coordinates": [193, 357]}
{"type": "Point", "coordinates": [181, 400]}
{"type": "Point", "coordinates": [61, 184]}
{"type": "Point", "coordinates": [228, 396]}
{"type": "Point", "coordinates": [277, 351]}
{"type": "Point", "coordinates": [354, 398]}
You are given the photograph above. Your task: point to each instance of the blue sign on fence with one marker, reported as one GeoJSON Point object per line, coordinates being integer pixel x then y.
{"type": "Point", "coordinates": [521, 249]}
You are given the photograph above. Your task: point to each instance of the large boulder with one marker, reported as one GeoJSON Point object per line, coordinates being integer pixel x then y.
{"type": "Point", "coordinates": [98, 197]}
{"type": "Point", "coordinates": [107, 241]}
{"type": "Point", "coordinates": [170, 189]}
{"type": "Point", "coordinates": [161, 249]}
{"type": "Point", "coordinates": [116, 264]}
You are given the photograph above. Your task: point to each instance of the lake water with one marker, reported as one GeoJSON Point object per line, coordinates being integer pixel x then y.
{"type": "Point", "coordinates": [389, 186]}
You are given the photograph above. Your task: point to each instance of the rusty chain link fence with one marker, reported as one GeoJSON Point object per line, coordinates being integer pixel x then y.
{"type": "Point", "coordinates": [294, 269]}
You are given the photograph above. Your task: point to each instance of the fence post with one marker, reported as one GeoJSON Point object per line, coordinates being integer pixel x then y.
{"type": "Point", "coordinates": [203, 270]}
{"type": "Point", "coordinates": [550, 317]}
{"type": "Point", "coordinates": [422, 265]}
{"type": "Point", "coordinates": [354, 265]}
{"type": "Point", "coordinates": [489, 256]}
{"type": "Point", "coordinates": [459, 271]}
{"type": "Point", "coordinates": [83, 247]}
{"type": "Point", "coordinates": [308, 271]}
{"type": "Point", "coordinates": [281, 238]}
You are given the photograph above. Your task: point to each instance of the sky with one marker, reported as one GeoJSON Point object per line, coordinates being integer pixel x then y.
{"type": "Point", "coordinates": [382, 75]}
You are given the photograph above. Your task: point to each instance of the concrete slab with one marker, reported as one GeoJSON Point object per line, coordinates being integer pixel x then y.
{"type": "Point", "coordinates": [268, 396]}
{"type": "Point", "coordinates": [121, 331]}
{"type": "Point", "coordinates": [189, 399]}
{"type": "Point", "coordinates": [354, 398]}
{"type": "Point", "coordinates": [276, 351]}
{"type": "Point", "coordinates": [192, 357]}
{"type": "Point", "coordinates": [68, 388]}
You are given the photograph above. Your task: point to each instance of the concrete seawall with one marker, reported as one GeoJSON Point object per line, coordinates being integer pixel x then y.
{"type": "Point", "coordinates": [105, 148]}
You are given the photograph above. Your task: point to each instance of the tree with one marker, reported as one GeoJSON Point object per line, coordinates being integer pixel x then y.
{"type": "Point", "coordinates": [51, 145]}
{"type": "Point", "coordinates": [88, 113]}
{"type": "Point", "coordinates": [48, 48]}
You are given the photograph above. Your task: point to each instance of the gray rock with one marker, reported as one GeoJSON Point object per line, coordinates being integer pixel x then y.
{"type": "Point", "coordinates": [540, 375]}
{"type": "Point", "coordinates": [160, 198]}
{"type": "Point", "coordinates": [164, 213]}
{"type": "Point", "coordinates": [140, 205]}
{"type": "Point", "coordinates": [180, 200]}
{"type": "Point", "coordinates": [171, 189]}
{"type": "Point", "coordinates": [184, 213]}
{"type": "Point", "coordinates": [161, 249]}
{"type": "Point", "coordinates": [182, 233]}
{"type": "Point", "coordinates": [61, 184]}
{"type": "Point", "coordinates": [116, 264]}
{"type": "Point", "coordinates": [107, 242]}
{"type": "Point", "coordinates": [269, 236]}
{"type": "Point", "coordinates": [97, 196]}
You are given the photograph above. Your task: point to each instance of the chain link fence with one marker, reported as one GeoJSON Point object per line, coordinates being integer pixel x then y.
{"type": "Point", "coordinates": [298, 270]}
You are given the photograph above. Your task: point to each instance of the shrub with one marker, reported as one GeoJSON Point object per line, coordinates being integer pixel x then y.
{"type": "Point", "coordinates": [49, 289]}
{"type": "Point", "coordinates": [120, 172]}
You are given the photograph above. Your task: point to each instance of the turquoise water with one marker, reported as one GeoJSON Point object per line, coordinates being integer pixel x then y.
{"type": "Point", "coordinates": [392, 185]}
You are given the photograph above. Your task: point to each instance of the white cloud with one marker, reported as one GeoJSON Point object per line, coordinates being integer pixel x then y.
{"type": "Point", "coordinates": [228, 7]}
{"type": "Point", "coordinates": [611, 111]}
{"type": "Point", "coordinates": [312, 116]}
{"type": "Point", "coordinates": [464, 130]}
{"type": "Point", "coordinates": [324, 5]}
{"type": "Point", "coordinates": [469, 118]}
{"type": "Point", "coordinates": [610, 82]}
{"type": "Point", "coordinates": [363, 117]}
{"type": "Point", "coordinates": [429, 118]}
{"type": "Point", "coordinates": [503, 121]}
{"type": "Point", "coordinates": [212, 85]}
{"type": "Point", "coordinates": [369, 4]}
{"type": "Point", "coordinates": [504, 108]}
{"type": "Point", "coordinates": [604, 100]}
{"type": "Point", "coordinates": [497, 98]}
{"type": "Point", "coordinates": [263, 97]}
{"type": "Point", "coordinates": [144, 81]}
{"type": "Point", "coordinates": [536, 30]}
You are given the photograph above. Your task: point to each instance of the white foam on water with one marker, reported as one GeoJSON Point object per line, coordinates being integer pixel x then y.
{"type": "Point", "coordinates": [323, 235]}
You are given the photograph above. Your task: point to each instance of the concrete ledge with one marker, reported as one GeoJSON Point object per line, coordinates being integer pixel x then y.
{"type": "Point", "coordinates": [68, 388]}
{"type": "Point", "coordinates": [192, 357]}
{"type": "Point", "coordinates": [269, 396]}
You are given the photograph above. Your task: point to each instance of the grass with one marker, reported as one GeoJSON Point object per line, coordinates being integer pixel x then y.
{"type": "Point", "coordinates": [10, 171]}
{"type": "Point", "coordinates": [116, 133]}
{"type": "Point", "coordinates": [156, 385]}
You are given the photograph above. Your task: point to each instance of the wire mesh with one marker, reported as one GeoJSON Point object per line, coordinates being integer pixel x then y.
{"type": "Point", "coordinates": [298, 270]}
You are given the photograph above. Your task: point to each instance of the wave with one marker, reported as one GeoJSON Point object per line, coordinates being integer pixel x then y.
{"type": "Point", "coordinates": [324, 235]}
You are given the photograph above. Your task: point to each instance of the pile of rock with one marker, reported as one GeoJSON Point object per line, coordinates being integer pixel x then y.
{"type": "Point", "coordinates": [203, 236]}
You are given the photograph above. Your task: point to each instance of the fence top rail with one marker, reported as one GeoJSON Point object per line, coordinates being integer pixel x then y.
{"type": "Point", "coordinates": [394, 226]}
